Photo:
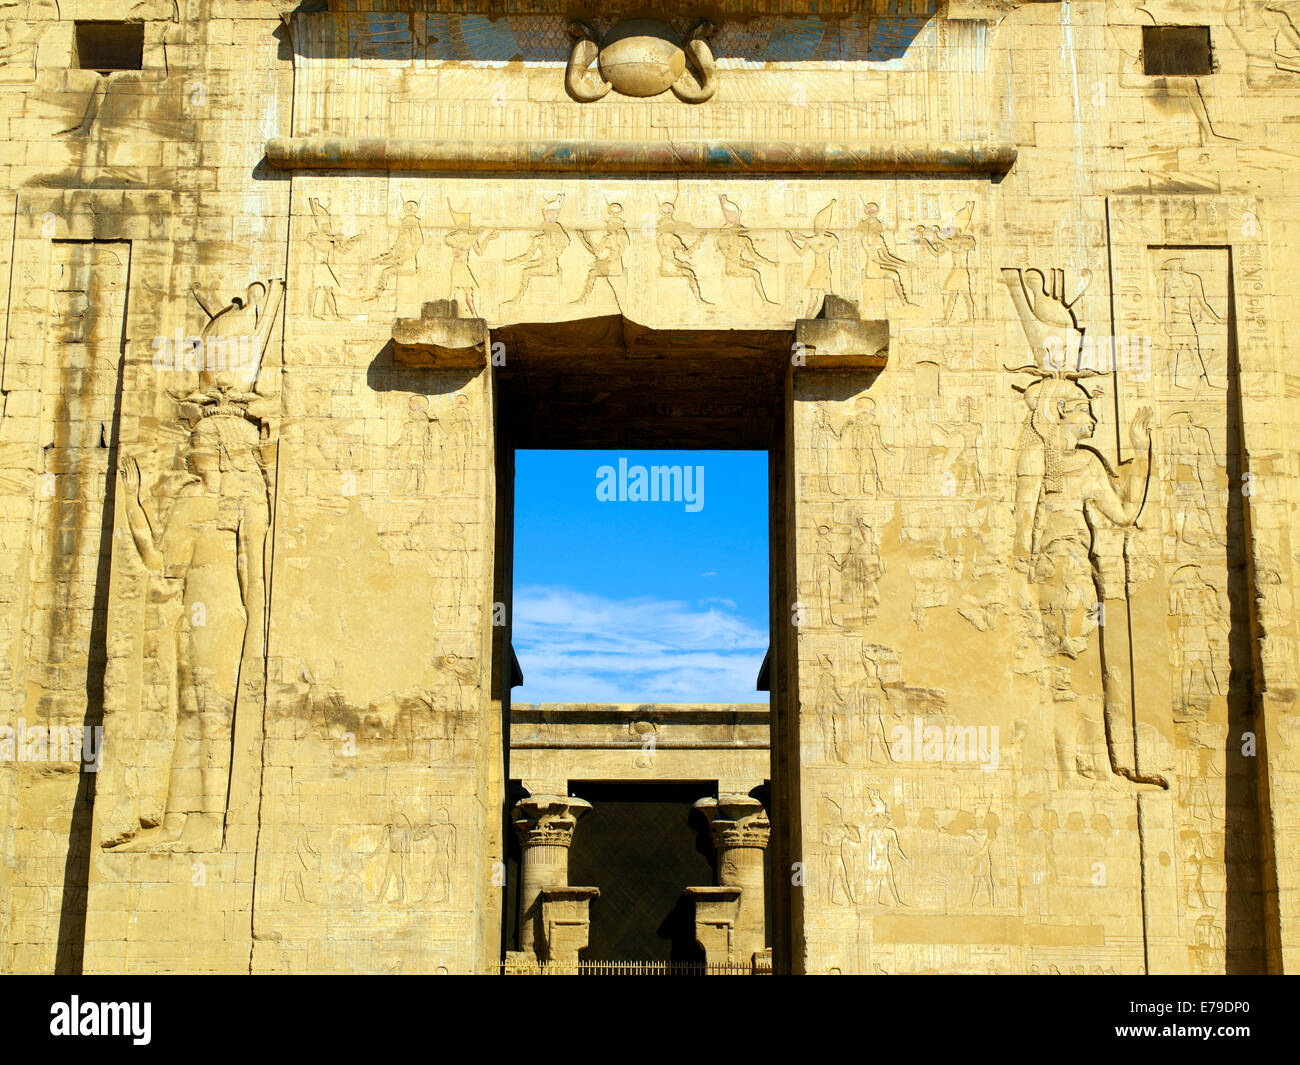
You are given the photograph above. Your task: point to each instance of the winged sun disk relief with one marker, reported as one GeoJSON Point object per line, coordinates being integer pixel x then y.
{"type": "Point", "coordinates": [641, 57]}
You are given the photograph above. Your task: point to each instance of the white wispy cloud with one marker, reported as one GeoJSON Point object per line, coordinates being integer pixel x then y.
{"type": "Point", "coordinates": [578, 647]}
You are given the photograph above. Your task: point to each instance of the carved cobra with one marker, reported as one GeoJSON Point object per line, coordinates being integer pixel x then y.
{"type": "Point", "coordinates": [699, 81]}
{"type": "Point", "coordinates": [582, 81]}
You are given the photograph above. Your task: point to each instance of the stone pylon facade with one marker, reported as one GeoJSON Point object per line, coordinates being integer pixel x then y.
{"type": "Point", "coordinates": [1002, 287]}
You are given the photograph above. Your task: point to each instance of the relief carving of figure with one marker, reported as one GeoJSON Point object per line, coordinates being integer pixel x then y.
{"type": "Point", "coordinates": [1200, 649]}
{"type": "Point", "coordinates": [739, 255]}
{"type": "Point", "coordinates": [542, 256]}
{"type": "Point", "coordinates": [981, 858]}
{"type": "Point", "coordinates": [1199, 503]}
{"type": "Point", "coordinates": [867, 446]}
{"type": "Point", "coordinates": [883, 846]}
{"type": "Point", "coordinates": [676, 243]}
{"type": "Point", "coordinates": [405, 252]}
{"type": "Point", "coordinates": [1069, 501]}
{"type": "Point", "coordinates": [465, 239]}
{"type": "Point", "coordinates": [606, 253]}
{"type": "Point", "coordinates": [958, 242]}
{"type": "Point", "coordinates": [861, 571]}
{"type": "Point", "coordinates": [874, 700]}
{"type": "Point", "coordinates": [443, 834]}
{"type": "Point", "coordinates": [1187, 313]}
{"type": "Point", "coordinates": [395, 846]}
{"type": "Point", "coordinates": [1066, 494]}
{"type": "Point", "coordinates": [871, 232]}
{"type": "Point", "coordinates": [821, 242]}
{"type": "Point", "coordinates": [327, 244]}
{"type": "Point", "coordinates": [210, 549]}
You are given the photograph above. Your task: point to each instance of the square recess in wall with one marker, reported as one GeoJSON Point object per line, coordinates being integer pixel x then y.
{"type": "Point", "coordinates": [109, 46]}
{"type": "Point", "coordinates": [1176, 50]}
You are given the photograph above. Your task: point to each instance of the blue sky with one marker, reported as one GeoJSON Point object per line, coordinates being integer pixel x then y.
{"type": "Point", "coordinates": [640, 601]}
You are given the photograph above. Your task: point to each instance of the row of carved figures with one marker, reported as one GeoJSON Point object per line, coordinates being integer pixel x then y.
{"type": "Point", "coordinates": [677, 243]}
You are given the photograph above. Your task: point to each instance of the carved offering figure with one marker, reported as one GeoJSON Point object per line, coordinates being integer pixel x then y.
{"type": "Point", "coordinates": [211, 549]}
{"type": "Point", "coordinates": [821, 242]}
{"type": "Point", "coordinates": [324, 278]}
{"type": "Point", "coordinates": [641, 57]}
{"type": "Point", "coordinates": [958, 242]}
{"type": "Point", "coordinates": [465, 239]}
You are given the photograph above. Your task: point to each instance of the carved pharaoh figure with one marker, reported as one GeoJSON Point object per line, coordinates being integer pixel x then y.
{"type": "Point", "coordinates": [327, 244]}
{"type": "Point", "coordinates": [464, 240]}
{"type": "Point", "coordinates": [958, 242]}
{"type": "Point", "coordinates": [821, 242]}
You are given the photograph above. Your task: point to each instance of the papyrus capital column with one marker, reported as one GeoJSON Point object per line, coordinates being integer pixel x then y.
{"type": "Point", "coordinates": [740, 833]}
{"type": "Point", "coordinates": [545, 825]}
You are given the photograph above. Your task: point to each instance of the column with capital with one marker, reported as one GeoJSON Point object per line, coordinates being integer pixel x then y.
{"type": "Point", "coordinates": [740, 833]}
{"type": "Point", "coordinates": [545, 825]}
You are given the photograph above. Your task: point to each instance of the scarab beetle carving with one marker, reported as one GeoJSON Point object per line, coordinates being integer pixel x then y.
{"type": "Point", "coordinates": [641, 57]}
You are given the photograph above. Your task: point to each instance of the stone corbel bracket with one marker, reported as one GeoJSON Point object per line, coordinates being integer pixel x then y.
{"type": "Point", "coordinates": [839, 339]}
{"type": "Point", "coordinates": [441, 338]}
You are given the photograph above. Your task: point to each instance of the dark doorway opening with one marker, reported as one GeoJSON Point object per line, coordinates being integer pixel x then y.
{"type": "Point", "coordinates": [642, 845]}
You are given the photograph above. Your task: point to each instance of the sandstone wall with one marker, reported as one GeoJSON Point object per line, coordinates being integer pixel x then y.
{"type": "Point", "coordinates": [1098, 566]}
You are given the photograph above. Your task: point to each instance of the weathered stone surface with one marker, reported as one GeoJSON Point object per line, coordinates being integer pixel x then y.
{"type": "Point", "coordinates": [1034, 642]}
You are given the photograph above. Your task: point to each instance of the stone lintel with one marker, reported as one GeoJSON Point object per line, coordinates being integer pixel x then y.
{"type": "Point", "coordinates": [839, 339]}
{"type": "Point", "coordinates": [640, 157]}
{"type": "Point", "coordinates": [441, 337]}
